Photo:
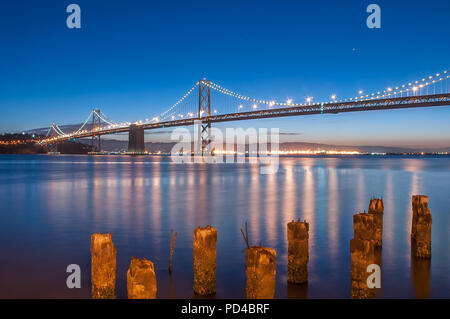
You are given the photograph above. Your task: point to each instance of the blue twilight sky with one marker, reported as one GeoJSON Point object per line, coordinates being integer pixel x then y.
{"type": "Point", "coordinates": [134, 59]}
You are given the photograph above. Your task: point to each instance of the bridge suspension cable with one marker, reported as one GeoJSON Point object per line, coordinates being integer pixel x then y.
{"type": "Point", "coordinates": [102, 118]}
{"type": "Point", "coordinates": [168, 112]}
{"type": "Point", "coordinates": [58, 130]}
{"type": "Point", "coordinates": [414, 87]}
{"type": "Point", "coordinates": [84, 124]}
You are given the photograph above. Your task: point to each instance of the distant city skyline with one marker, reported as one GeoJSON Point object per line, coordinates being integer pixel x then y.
{"type": "Point", "coordinates": [134, 59]}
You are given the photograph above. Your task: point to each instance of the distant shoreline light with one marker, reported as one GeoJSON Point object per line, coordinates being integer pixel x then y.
{"type": "Point", "coordinates": [293, 152]}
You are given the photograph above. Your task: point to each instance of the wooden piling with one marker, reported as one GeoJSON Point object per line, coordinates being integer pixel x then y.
{"type": "Point", "coordinates": [141, 279]}
{"type": "Point", "coordinates": [362, 254]}
{"type": "Point", "coordinates": [103, 266]}
{"type": "Point", "coordinates": [421, 226]}
{"type": "Point", "coordinates": [298, 255]}
{"type": "Point", "coordinates": [205, 240]}
{"type": "Point", "coordinates": [364, 227]}
{"type": "Point", "coordinates": [376, 208]}
{"type": "Point", "coordinates": [260, 263]}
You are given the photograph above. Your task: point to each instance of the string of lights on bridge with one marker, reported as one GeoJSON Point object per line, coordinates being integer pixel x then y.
{"type": "Point", "coordinates": [407, 89]}
{"type": "Point", "coordinates": [413, 87]}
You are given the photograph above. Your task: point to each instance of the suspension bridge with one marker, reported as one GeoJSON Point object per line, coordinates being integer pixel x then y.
{"type": "Point", "coordinates": [211, 103]}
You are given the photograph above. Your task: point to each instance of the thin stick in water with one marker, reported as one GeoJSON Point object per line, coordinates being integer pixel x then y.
{"type": "Point", "coordinates": [245, 236]}
{"type": "Point", "coordinates": [173, 239]}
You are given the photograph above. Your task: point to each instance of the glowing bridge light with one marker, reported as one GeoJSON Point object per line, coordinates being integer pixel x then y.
{"type": "Point", "coordinates": [255, 106]}
{"type": "Point", "coordinates": [289, 101]}
{"type": "Point", "coordinates": [272, 103]}
{"type": "Point", "coordinates": [309, 99]}
{"type": "Point", "coordinates": [333, 97]}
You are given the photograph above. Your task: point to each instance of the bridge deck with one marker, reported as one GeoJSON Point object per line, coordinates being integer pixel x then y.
{"type": "Point", "coordinates": [324, 108]}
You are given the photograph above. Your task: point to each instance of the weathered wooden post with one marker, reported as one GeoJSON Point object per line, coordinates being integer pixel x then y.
{"type": "Point", "coordinates": [376, 208]}
{"type": "Point", "coordinates": [103, 266]}
{"type": "Point", "coordinates": [364, 227]}
{"type": "Point", "coordinates": [205, 240]}
{"type": "Point", "coordinates": [141, 279]}
{"type": "Point", "coordinates": [363, 251]}
{"type": "Point", "coordinates": [421, 226]}
{"type": "Point", "coordinates": [298, 255]}
{"type": "Point", "coordinates": [362, 254]}
{"type": "Point", "coordinates": [260, 263]}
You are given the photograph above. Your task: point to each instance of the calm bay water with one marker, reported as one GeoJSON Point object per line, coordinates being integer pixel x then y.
{"type": "Point", "coordinates": [50, 205]}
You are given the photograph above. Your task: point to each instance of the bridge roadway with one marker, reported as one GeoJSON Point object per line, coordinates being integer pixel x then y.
{"type": "Point", "coordinates": [324, 108]}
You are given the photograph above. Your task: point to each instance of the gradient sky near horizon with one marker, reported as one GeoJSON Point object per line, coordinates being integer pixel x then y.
{"type": "Point", "coordinates": [133, 59]}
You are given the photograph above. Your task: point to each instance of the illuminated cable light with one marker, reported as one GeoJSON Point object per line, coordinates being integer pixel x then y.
{"type": "Point", "coordinates": [179, 101]}
{"type": "Point", "coordinates": [255, 106]}
{"type": "Point", "coordinates": [423, 80]}
{"type": "Point", "coordinates": [333, 97]}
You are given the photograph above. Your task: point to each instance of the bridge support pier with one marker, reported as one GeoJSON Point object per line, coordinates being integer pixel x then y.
{"type": "Point", "coordinates": [136, 142]}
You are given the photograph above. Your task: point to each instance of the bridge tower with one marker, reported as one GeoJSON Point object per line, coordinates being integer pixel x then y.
{"type": "Point", "coordinates": [136, 141]}
{"type": "Point", "coordinates": [96, 126]}
{"type": "Point", "coordinates": [204, 110]}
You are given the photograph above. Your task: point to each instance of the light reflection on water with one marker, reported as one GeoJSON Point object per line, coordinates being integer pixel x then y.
{"type": "Point", "coordinates": [51, 205]}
